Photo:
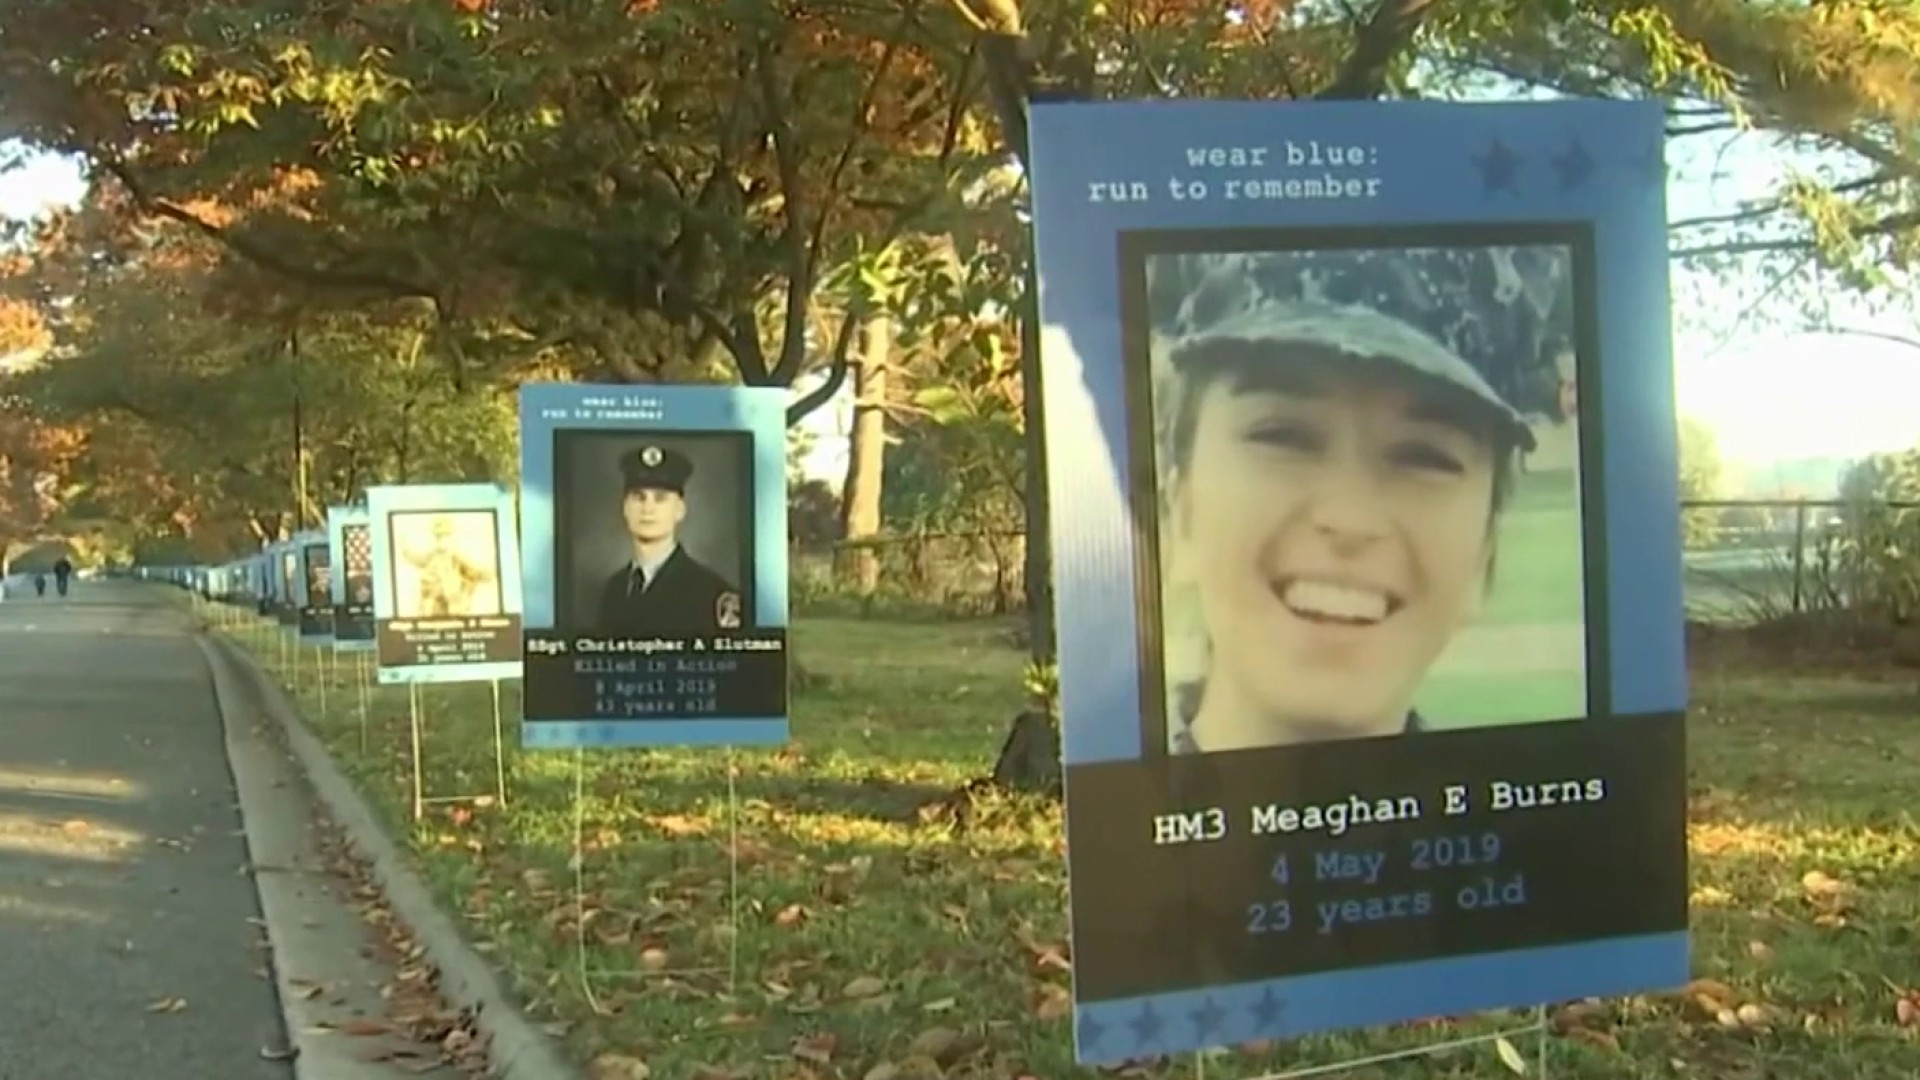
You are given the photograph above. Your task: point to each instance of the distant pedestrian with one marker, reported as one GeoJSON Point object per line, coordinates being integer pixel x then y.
{"type": "Point", "coordinates": [62, 573]}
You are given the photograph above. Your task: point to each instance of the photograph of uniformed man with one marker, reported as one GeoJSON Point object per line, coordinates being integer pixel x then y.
{"type": "Point", "coordinates": [446, 564]}
{"type": "Point", "coordinates": [319, 577]}
{"type": "Point", "coordinates": [1347, 549]}
{"type": "Point", "coordinates": [662, 588]}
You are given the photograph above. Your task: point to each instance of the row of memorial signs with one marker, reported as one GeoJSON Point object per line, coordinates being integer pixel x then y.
{"type": "Point", "coordinates": [1365, 545]}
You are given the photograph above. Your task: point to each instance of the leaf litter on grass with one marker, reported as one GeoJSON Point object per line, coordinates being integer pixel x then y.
{"type": "Point", "coordinates": [882, 944]}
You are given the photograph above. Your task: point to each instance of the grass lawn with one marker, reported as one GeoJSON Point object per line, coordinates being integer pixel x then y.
{"type": "Point", "coordinates": [873, 944]}
{"type": "Point", "coordinates": [1539, 573]}
{"type": "Point", "coordinates": [1486, 700]}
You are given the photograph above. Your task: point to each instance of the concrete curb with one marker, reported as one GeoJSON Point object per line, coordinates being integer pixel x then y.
{"type": "Point", "coordinates": [518, 1050]}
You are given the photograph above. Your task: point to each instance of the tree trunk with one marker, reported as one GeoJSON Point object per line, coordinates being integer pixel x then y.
{"type": "Point", "coordinates": [1030, 757]}
{"type": "Point", "coordinates": [866, 455]}
{"type": "Point", "coordinates": [1039, 511]}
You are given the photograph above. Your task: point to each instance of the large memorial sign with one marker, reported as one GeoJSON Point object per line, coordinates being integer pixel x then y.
{"type": "Point", "coordinates": [350, 548]}
{"type": "Point", "coordinates": [656, 565]}
{"type": "Point", "coordinates": [446, 602]}
{"type": "Point", "coordinates": [1362, 458]}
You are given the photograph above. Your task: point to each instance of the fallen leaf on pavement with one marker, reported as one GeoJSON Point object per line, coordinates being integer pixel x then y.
{"type": "Point", "coordinates": [168, 1005]}
{"type": "Point", "coordinates": [365, 1026]}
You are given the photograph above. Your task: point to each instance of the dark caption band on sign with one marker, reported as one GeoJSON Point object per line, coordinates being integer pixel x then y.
{"type": "Point", "coordinates": [737, 675]}
{"type": "Point", "coordinates": [1376, 851]}
{"type": "Point", "coordinates": [469, 639]}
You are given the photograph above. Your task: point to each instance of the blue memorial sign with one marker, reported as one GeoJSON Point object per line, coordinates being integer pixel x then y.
{"type": "Point", "coordinates": [260, 581]}
{"type": "Point", "coordinates": [656, 565]}
{"type": "Point", "coordinates": [286, 584]}
{"type": "Point", "coordinates": [315, 598]}
{"type": "Point", "coordinates": [350, 548]}
{"type": "Point", "coordinates": [1366, 546]}
{"type": "Point", "coordinates": [446, 600]}
{"type": "Point", "coordinates": [254, 574]}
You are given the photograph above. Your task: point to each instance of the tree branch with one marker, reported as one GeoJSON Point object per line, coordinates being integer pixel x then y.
{"type": "Point", "coordinates": [1381, 40]}
{"type": "Point", "coordinates": [1774, 206]}
{"type": "Point", "coordinates": [1009, 74]}
{"type": "Point", "coordinates": [1682, 131]}
{"type": "Point", "coordinates": [1847, 331]}
{"type": "Point", "coordinates": [259, 255]}
{"type": "Point", "coordinates": [798, 257]}
{"type": "Point", "coordinates": [856, 124]}
{"type": "Point", "coordinates": [1888, 225]}
{"type": "Point", "coordinates": [836, 373]}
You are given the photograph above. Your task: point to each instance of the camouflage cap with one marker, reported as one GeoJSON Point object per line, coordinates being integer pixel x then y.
{"type": "Point", "coordinates": [1479, 319]}
{"type": "Point", "coordinates": [1351, 330]}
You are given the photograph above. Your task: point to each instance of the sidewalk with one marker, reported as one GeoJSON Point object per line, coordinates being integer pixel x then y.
{"type": "Point", "coordinates": [128, 940]}
{"type": "Point", "coordinates": [132, 936]}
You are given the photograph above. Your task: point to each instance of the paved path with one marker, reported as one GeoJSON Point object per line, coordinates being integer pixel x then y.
{"type": "Point", "coordinates": [129, 937]}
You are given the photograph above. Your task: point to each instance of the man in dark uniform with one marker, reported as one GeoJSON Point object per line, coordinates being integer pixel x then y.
{"type": "Point", "coordinates": [662, 589]}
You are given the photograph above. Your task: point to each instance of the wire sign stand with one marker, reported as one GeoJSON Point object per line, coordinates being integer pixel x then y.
{"type": "Point", "coordinates": [416, 723]}
{"type": "Point", "coordinates": [363, 680]}
{"type": "Point", "coordinates": [583, 913]}
{"type": "Point", "coordinates": [1540, 1030]}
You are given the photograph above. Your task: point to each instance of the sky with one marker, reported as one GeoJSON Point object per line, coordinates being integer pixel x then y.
{"type": "Point", "coordinates": [1751, 387]}
{"type": "Point", "coordinates": [1747, 385]}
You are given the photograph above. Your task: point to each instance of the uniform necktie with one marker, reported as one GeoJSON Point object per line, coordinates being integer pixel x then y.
{"type": "Point", "coordinates": [636, 581]}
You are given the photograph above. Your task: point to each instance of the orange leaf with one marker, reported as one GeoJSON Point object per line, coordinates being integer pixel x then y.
{"type": "Point", "coordinates": [365, 1026]}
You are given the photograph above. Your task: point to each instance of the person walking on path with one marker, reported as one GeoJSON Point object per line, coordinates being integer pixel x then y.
{"type": "Point", "coordinates": [62, 573]}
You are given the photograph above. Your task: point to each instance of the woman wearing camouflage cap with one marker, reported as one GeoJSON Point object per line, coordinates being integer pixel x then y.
{"type": "Point", "coordinates": [1333, 476]}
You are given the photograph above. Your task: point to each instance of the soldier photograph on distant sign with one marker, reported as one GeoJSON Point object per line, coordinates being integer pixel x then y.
{"type": "Point", "coordinates": [319, 577]}
{"type": "Point", "coordinates": [446, 564]}
{"type": "Point", "coordinates": [654, 531]}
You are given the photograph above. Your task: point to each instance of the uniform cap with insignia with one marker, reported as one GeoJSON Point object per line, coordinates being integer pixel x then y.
{"type": "Point", "coordinates": [657, 468]}
{"type": "Point", "coordinates": [1471, 322]}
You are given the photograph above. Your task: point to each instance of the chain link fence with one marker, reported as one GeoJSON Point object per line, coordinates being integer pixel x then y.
{"type": "Point", "coordinates": [1753, 560]}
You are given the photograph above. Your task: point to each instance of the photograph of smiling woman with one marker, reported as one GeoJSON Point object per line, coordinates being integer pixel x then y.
{"type": "Point", "coordinates": [1332, 479]}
